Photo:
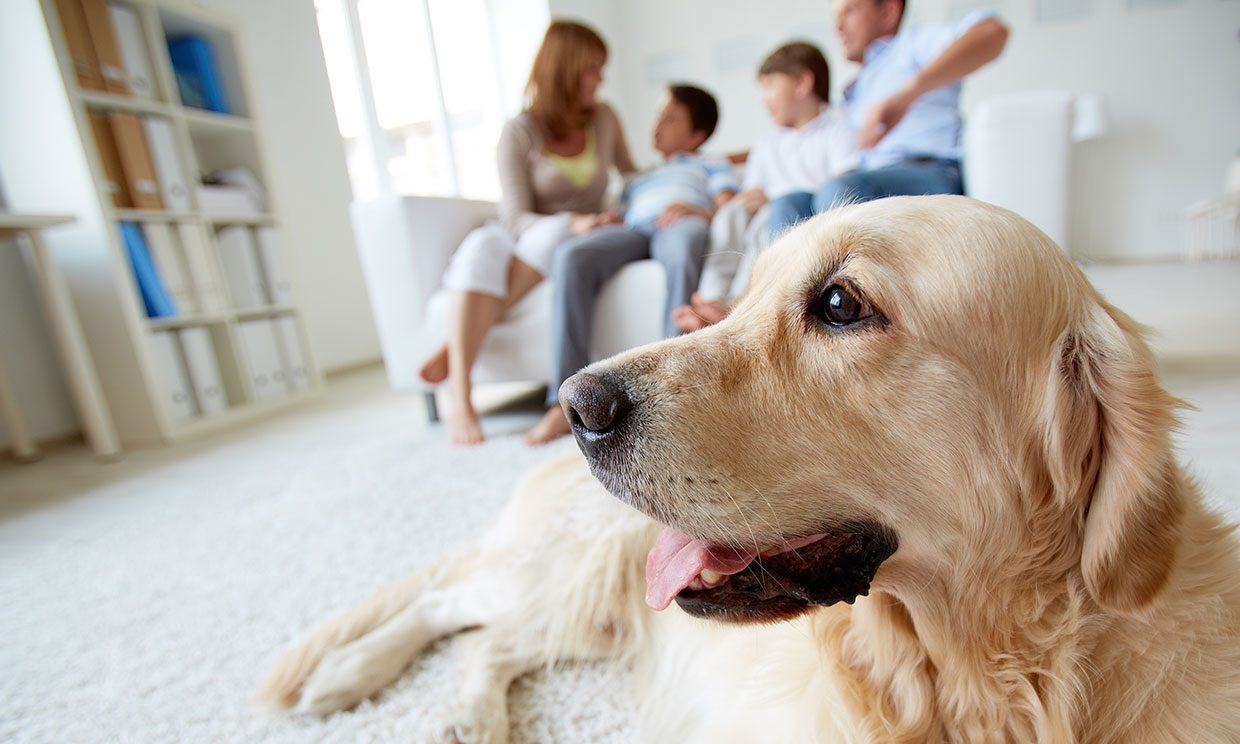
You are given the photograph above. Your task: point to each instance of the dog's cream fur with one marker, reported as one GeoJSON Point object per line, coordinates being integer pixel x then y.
{"type": "Point", "coordinates": [1057, 578]}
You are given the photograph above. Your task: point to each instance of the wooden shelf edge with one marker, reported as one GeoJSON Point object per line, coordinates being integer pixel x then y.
{"type": "Point", "coordinates": [203, 119]}
{"type": "Point", "coordinates": [261, 218]}
{"type": "Point", "coordinates": [131, 104]}
{"type": "Point", "coordinates": [152, 215]}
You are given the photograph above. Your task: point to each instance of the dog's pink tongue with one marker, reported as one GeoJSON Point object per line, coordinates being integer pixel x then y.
{"type": "Point", "coordinates": [676, 559]}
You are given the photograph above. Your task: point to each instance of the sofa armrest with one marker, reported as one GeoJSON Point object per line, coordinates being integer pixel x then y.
{"type": "Point", "coordinates": [1016, 149]}
{"type": "Point", "coordinates": [405, 243]}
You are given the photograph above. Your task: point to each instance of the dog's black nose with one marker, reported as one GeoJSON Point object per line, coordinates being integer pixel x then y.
{"type": "Point", "coordinates": [593, 404]}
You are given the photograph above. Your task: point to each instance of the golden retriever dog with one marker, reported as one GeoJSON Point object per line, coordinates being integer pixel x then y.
{"type": "Point", "coordinates": [918, 487]}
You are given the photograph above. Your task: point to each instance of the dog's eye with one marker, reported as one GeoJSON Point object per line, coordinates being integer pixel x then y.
{"type": "Point", "coordinates": [840, 307]}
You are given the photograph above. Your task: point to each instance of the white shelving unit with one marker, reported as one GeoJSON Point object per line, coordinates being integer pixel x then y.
{"type": "Point", "coordinates": [121, 337]}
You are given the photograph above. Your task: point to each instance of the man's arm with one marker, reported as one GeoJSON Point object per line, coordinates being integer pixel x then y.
{"type": "Point", "coordinates": [975, 48]}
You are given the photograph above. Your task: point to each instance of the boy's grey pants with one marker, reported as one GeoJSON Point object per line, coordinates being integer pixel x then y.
{"type": "Point", "coordinates": [582, 265]}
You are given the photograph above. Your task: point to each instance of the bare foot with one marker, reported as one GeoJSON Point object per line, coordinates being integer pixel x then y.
{"type": "Point", "coordinates": [687, 320]}
{"type": "Point", "coordinates": [552, 426]}
{"type": "Point", "coordinates": [710, 311]}
{"type": "Point", "coordinates": [435, 369]}
{"type": "Point", "coordinates": [463, 426]}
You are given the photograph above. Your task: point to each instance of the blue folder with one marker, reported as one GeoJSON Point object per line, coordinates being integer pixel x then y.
{"type": "Point", "coordinates": [198, 76]}
{"type": "Point", "coordinates": [155, 297]}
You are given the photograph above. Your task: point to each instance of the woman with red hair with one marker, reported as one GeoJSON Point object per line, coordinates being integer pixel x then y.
{"type": "Point", "coordinates": [555, 161]}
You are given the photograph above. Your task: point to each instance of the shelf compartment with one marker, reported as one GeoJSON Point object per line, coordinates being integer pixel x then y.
{"type": "Point", "coordinates": [176, 23]}
{"type": "Point", "coordinates": [234, 416]}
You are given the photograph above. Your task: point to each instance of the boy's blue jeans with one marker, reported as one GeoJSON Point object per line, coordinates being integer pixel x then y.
{"type": "Point", "coordinates": [907, 178]}
{"type": "Point", "coordinates": [582, 265]}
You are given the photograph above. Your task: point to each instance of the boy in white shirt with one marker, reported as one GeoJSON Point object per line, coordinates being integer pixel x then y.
{"type": "Point", "coordinates": [811, 145]}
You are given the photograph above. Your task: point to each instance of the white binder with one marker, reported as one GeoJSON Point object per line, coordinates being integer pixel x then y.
{"type": "Point", "coordinates": [271, 258]}
{"type": "Point", "coordinates": [168, 170]}
{"type": "Point", "coordinates": [204, 371]}
{"type": "Point", "coordinates": [203, 270]}
{"type": "Point", "coordinates": [173, 380]}
{"type": "Point", "coordinates": [170, 263]}
{"type": "Point", "coordinates": [239, 258]}
{"type": "Point", "coordinates": [132, 45]}
{"type": "Point", "coordinates": [262, 359]}
{"type": "Point", "coordinates": [296, 370]}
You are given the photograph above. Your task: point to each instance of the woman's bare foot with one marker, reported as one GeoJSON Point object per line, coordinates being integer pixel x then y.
{"type": "Point", "coordinates": [552, 426]}
{"type": "Point", "coordinates": [710, 311]}
{"type": "Point", "coordinates": [699, 313]}
{"type": "Point", "coordinates": [687, 320]}
{"type": "Point", "coordinates": [463, 426]}
{"type": "Point", "coordinates": [435, 369]}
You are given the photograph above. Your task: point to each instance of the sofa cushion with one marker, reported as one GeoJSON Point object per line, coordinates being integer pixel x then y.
{"type": "Point", "coordinates": [629, 313]}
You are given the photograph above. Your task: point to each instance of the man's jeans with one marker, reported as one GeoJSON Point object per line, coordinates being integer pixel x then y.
{"type": "Point", "coordinates": [906, 178]}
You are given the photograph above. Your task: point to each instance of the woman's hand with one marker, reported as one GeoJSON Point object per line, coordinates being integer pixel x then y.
{"type": "Point", "coordinates": [678, 211]}
{"type": "Point", "coordinates": [580, 224]}
{"type": "Point", "coordinates": [753, 199]}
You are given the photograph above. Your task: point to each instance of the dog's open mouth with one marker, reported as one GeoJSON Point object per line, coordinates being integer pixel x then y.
{"type": "Point", "coordinates": [768, 584]}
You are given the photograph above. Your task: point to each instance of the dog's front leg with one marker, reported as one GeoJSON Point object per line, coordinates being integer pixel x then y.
{"type": "Point", "coordinates": [351, 673]}
{"type": "Point", "coordinates": [493, 659]}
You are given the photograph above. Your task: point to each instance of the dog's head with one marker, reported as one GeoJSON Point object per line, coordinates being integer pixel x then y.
{"type": "Point", "coordinates": [909, 384]}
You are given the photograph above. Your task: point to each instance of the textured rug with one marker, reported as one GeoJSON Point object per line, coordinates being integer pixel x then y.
{"type": "Point", "coordinates": [147, 609]}
{"type": "Point", "coordinates": [142, 602]}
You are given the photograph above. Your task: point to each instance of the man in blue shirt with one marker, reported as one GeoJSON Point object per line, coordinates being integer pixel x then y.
{"type": "Point", "coordinates": [903, 105]}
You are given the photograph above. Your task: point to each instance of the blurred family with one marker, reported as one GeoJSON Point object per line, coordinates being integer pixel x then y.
{"type": "Point", "coordinates": [896, 132]}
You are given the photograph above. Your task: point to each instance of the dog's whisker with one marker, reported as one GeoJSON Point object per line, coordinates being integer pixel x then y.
{"type": "Point", "coordinates": [757, 546]}
{"type": "Point", "coordinates": [774, 524]}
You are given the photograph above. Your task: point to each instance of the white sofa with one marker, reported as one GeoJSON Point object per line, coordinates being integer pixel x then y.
{"type": "Point", "coordinates": [405, 244]}
{"type": "Point", "coordinates": [1016, 155]}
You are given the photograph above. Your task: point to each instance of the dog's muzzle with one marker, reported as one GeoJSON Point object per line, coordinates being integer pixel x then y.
{"type": "Point", "coordinates": [596, 408]}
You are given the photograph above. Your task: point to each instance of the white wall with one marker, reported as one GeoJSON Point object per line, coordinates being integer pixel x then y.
{"type": "Point", "coordinates": [48, 184]}
{"type": "Point", "coordinates": [1170, 74]}
{"type": "Point", "coordinates": [292, 101]}
{"type": "Point", "coordinates": [26, 346]}
{"type": "Point", "coordinates": [1169, 69]}
{"type": "Point", "coordinates": [517, 27]}
{"type": "Point", "coordinates": [28, 353]}
{"type": "Point", "coordinates": [610, 20]}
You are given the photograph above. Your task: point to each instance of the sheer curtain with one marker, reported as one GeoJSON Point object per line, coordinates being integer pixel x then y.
{"type": "Point", "coordinates": [422, 87]}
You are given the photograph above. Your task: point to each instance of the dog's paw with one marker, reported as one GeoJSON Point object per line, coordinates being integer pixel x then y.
{"type": "Point", "coordinates": [345, 677]}
{"type": "Point", "coordinates": [466, 734]}
{"type": "Point", "coordinates": [478, 721]}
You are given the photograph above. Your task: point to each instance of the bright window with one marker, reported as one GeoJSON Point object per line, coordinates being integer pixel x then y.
{"type": "Point", "coordinates": [421, 89]}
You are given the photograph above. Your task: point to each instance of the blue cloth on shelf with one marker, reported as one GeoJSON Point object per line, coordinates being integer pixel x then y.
{"type": "Point", "coordinates": [198, 75]}
{"type": "Point", "coordinates": [155, 297]}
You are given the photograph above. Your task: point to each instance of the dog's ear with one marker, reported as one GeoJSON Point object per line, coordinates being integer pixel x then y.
{"type": "Point", "coordinates": [1108, 426]}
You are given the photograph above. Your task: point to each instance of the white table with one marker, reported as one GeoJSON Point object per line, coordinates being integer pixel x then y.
{"type": "Point", "coordinates": [70, 342]}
